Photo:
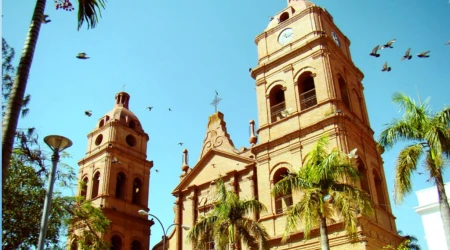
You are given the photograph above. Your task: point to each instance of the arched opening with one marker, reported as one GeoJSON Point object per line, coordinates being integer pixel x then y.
{"type": "Point", "coordinates": [102, 122]}
{"type": "Point", "coordinates": [282, 202]}
{"type": "Point", "coordinates": [131, 124]}
{"type": "Point", "coordinates": [284, 17]}
{"type": "Point", "coordinates": [307, 90]}
{"type": "Point", "coordinates": [136, 245]}
{"type": "Point", "coordinates": [107, 118]}
{"type": "Point", "coordinates": [95, 185]}
{"type": "Point", "coordinates": [120, 186]}
{"type": "Point", "coordinates": [116, 243]}
{"type": "Point", "coordinates": [84, 187]}
{"type": "Point", "coordinates": [379, 189]}
{"type": "Point", "coordinates": [136, 192]}
{"type": "Point", "coordinates": [344, 92]}
{"type": "Point", "coordinates": [277, 103]}
{"type": "Point", "coordinates": [363, 179]}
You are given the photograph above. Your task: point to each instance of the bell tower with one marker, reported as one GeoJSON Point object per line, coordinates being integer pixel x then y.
{"type": "Point", "coordinates": [116, 172]}
{"type": "Point", "coordinates": [307, 85]}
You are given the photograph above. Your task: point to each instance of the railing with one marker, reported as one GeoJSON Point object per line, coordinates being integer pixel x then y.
{"type": "Point", "coordinates": [308, 99]}
{"type": "Point", "coordinates": [279, 206]}
{"type": "Point", "coordinates": [275, 111]}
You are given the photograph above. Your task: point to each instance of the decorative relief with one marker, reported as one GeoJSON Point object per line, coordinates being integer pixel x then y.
{"type": "Point", "coordinates": [217, 135]}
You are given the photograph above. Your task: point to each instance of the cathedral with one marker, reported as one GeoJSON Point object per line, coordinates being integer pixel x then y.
{"type": "Point", "coordinates": [307, 86]}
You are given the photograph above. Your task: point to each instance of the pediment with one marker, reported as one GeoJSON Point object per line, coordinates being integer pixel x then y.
{"type": "Point", "coordinates": [213, 164]}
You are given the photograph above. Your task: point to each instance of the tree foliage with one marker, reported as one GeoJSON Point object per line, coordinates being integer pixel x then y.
{"type": "Point", "coordinates": [429, 136]}
{"type": "Point", "coordinates": [228, 223]}
{"type": "Point", "coordinates": [327, 183]}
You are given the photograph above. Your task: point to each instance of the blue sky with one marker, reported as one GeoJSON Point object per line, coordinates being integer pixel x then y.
{"type": "Point", "coordinates": [177, 53]}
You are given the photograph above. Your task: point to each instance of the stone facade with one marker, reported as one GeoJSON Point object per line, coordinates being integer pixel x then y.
{"type": "Point", "coordinates": [117, 175]}
{"type": "Point", "coordinates": [307, 86]}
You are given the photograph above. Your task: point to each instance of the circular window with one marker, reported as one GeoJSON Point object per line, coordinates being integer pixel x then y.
{"type": "Point", "coordinates": [131, 141]}
{"type": "Point", "coordinates": [99, 139]}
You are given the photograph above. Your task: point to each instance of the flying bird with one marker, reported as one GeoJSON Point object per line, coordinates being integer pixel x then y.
{"type": "Point", "coordinates": [82, 56]}
{"type": "Point", "coordinates": [352, 154]}
{"type": "Point", "coordinates": [271, 18]}
{"type": "Point", "coordinates": [150, 108]}
{"type": "Point", "coordinates": [116, 161]}
{"type": "Point", "coordinates": [448, 42]}
{"type": "Point", "coordinates": [156, 170]}
{"type": "Point", "coordinates": [45, 20]}
{"type": "Point", "coordinates": [180, 143]}
{"type": "Point", "coordinates": [216, 92]}
{"type": "Point", "coordinates": [386, 67]}
{"type": "Point", "coordinates": [407, 55]}
{"type": "Point", "coordinates": [388, 44]}
{"type": "Point", "coordinates": [424, 54]}
{"type": "Point", "coordinates": [170, 109]}
{"type": "Point", "coordinates": [374, 51]}
{"type": "Point", "coordinates": [249, 69]}
{"type": "Point", "coordinates": [88, 112]}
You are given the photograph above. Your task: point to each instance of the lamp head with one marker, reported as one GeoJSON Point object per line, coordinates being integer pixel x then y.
{"type": "Point", "coordinates": [142, 212]}
{"type": "Point", "coordinates": [57, 143]}
{"type": "Point", "coordinates": [185, 227]}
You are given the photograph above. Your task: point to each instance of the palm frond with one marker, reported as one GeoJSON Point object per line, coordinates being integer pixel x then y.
{"type": "Point", "coordinates": [405, 165]}
{"type": "Point", "coordinates": [89, 11]}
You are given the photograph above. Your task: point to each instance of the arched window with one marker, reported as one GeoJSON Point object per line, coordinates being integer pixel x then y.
{"type": "Point", "coordinates": [116, 243]}
{"type": "Point", "coordinates": [95, 185]}
{"type": "Point", "coordinates": [284, 17]}
{"type": "Point", "coordinates": [136, 245]}
{"type": "Point", "coordinates": [120, 186]}
{"type": "Point", "coordinates": [282, 202]}
{"type": "Point", "coordinates": [344, 92]}
{"type": "Point", "coordinates": [74, 245]}
{"type": "Point", "coordinates": [84, 187]}
{"type": "Point", "coordinates": [102, 122]}
{"type": "Point", "coordinates": [379, 189]}
{"type": "Point", "coordinates": [363, 179]}
{"type": "Point", "coordinates": [307, 90]}
{"type": "Point", "coordinates": [131, 124]}
{"type": "Point", "coordinates": [136, 192]}
{"type": "Point", "coordinates": [277, 104]}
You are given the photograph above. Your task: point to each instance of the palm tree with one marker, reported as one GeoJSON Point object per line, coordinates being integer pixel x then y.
{"type": "Point", "coordinates": [410, 240]}
{"type": "Point", "coordinates": [326, 183]}
{"type": "Point", "coordinates": [429, 133]}
{"type": "Point", "coordinates": [88, 12]}
{"type": "Point", "coordinates": [227, 223]}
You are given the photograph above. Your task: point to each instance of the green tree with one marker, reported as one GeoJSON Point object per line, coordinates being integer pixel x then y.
{"type": "Point", "coordinates": [26, 189]}
{"type": "Point", "coordinates": [429, 134]}
{"type": "Point", "coordinates": [88, 11]}
{"type": "Point", "coordinates": [324, 194]}
{"type": "Point", "coordinates": [228, 224]}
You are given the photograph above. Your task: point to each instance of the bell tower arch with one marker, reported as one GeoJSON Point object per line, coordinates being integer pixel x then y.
{"type": "Point", "coordinates": [307, 86]}
{"type": "Point", "coordinates": [116, 174]}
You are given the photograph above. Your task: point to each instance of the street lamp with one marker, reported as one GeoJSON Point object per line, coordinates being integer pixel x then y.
{"type": "Point", "coordinates": [57, 144]}
{"type": "Point", "coordinates": [143, 212]}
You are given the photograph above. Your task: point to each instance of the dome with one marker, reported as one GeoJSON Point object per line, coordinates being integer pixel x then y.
{"type": "Point", "coordinates": [296, 7]}
{"type": "Point", "coordinates": [121, 113]}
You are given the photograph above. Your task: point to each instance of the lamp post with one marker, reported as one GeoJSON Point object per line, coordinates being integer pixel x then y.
{"type": "Point", "coordinates": [57, 144]}
{"type": "Point", "coordinates": [143, 212]}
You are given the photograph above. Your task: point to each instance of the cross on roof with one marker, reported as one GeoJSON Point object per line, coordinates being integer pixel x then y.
{"type": "Point", "coordinates": [216, 101]}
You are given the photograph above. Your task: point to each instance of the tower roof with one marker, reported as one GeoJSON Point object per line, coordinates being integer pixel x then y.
{"type": "Point", "coordinates": [297, 7]}
{"type": "Point", "coordinates": [121, 112]}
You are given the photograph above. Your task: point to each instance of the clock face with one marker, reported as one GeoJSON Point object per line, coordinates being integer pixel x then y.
{"type": "Point", "coordinates": [335, 38]}
{"type": "Point", "coordinates": [285, 36]}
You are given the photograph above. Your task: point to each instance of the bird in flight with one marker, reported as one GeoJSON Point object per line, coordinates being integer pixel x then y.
{"type": "Point", "coordinates": [249, 69]}
{"type": "Point", "coordinates": [448, 42]}
{"type": "Point", "coordinates": [374, 51]}
{"type": "Point", "coordinates": [156, 170]}
{"type": "Point", "coordinates": [386, 67]}
{"type": "Point", "coordinates": [352, 154]}
{"type": "Point", "coordinates": [388, 44]}
{"type": "Point", "coordinates": [424, 54]}
{"type": "Point", "coordinates": [150, 108]}
{"type": "Point", "coordinates": [407, 55]}
{"type": "Point", "coordinates": [216, 92]}
{"type": "Point", "coordinates": [170, 109]}
{"type": "Point", "coordinates": [88, 112]}
{"type": "Point", "coordinates": [116, 161]}
{"type": "Point", "coordinates": [180, 143]}
{"type": "Point", "coordinates": [45, 20]}
{"type": "Point", "coordinates": [82, 55]}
